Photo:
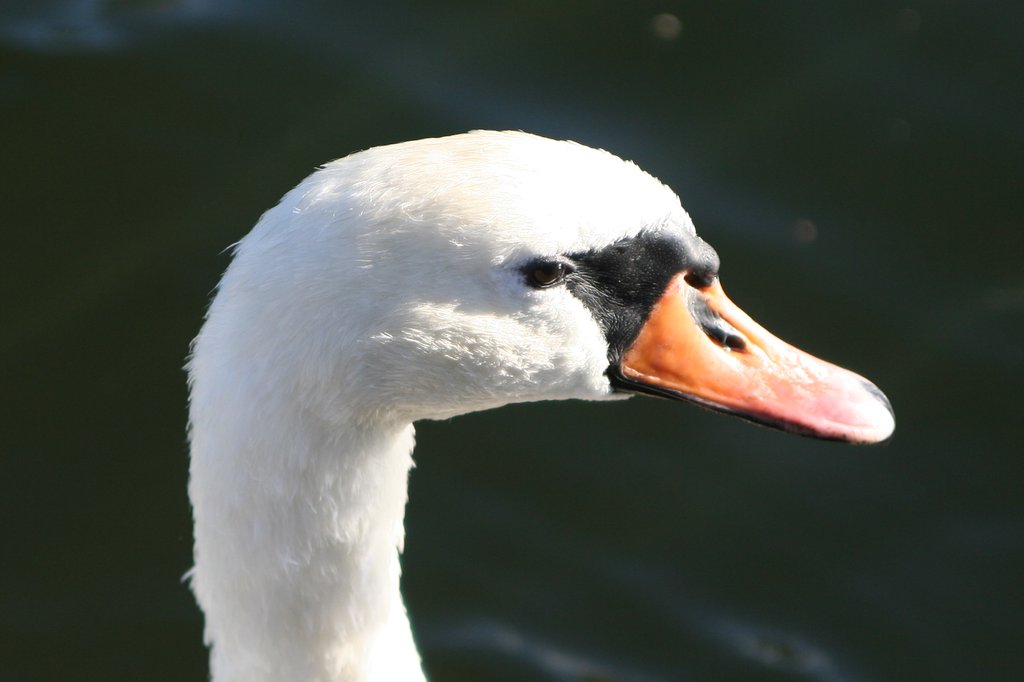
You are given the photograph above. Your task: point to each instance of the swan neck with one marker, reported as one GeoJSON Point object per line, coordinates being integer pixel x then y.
{"type": "Point", "coordinates": [298, 531]}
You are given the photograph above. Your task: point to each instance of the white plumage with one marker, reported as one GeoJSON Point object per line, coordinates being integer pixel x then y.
{"type": "Point", "coordinates": [381, 290]}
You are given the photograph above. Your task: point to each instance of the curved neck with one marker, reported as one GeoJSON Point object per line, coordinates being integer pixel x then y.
{"type": "Point", "coordinates": [298, 528]}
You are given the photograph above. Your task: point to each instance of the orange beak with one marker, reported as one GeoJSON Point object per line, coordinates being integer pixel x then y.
{"type": "Point", "coordinates": [699, 346]}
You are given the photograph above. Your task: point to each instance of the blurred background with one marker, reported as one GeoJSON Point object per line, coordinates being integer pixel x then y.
{"type": "Point", "coordinates": [859, 168]}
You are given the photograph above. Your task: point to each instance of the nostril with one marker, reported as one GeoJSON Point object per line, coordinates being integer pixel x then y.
{"type": "Point", "coordinates": [725, 335]}
{"type": "Point", "coordinates": [735, 342]}
{"type": "Point", "coordinates": [714, 325]}
{"type": "Point", "coordinates": [700, 279]}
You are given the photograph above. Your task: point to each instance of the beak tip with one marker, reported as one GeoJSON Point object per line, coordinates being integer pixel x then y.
{"type": "Point", "coordinates": [883, 430]}
{"type": "Point", "coordinates": [881, 421]}
{"type": "Point", "coordinates": [879, 396]}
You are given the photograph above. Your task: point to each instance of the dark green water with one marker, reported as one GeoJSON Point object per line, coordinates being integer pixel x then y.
{"type": "Point", "coordinates": [860, 171]}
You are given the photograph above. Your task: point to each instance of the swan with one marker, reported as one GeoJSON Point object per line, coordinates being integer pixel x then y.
{"type": "Point", "coordinates": [424, 280]}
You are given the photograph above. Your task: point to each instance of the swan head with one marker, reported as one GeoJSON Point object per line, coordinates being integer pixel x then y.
{"type": "Point", "coordinates": [443, 276]}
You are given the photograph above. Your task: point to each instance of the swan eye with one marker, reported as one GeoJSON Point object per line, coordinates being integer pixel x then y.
{"type": "Point", "coordinates": [543, 274]}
